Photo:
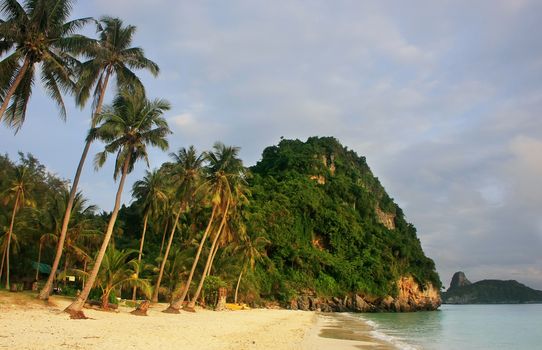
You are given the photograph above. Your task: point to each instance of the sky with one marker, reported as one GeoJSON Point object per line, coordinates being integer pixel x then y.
{"type": "Point", "coordinates": [444, 98]}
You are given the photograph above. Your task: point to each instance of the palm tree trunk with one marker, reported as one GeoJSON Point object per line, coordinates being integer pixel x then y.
{"type": "Point", "coordinates": [140, 252]}
{"type": "Point", "coordinates": [75, 308]}
{"type": "Point", "coordinates": [3, 259]}
{"type": "Point", "coordinates": [192, 303]}
{"type": "Point", "coordinates": [175, 306]}
{"type": "Point", "coordinates": [164, 237]}
{"type": "Point", "coordinates": [39, 260]}
{"type": "Point", "coordinates": [14, 86]}
{"type": "Point", "coordinates": [238, 284]}
{"type": "Point", "coordinates": [212, 259]}
{"type": "Point", "coordinates": [154, 298]}
{"type": "Point", "coordinates": [47, 288]}
{"type": "Point", "coordinates": [66, 263]}
{"type": "Point", "coordinates": [105, 299]}
{"type": "Point", "coordinates": [84, 270]}
{"type": "Point", "coordinates": [9, 236]}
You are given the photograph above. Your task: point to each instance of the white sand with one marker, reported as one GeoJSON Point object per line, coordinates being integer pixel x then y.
{"type": "Point", "coordinates": [34, 326]}
{"type": "Point", "coordinates": [26, 323]}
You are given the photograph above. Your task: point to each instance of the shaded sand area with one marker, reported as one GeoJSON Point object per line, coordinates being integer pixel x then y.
{"type": "Point", "coordinates": [26, 323]}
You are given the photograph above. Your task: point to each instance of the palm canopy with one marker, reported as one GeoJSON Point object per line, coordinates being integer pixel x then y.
{"type": "Point", "coordinates": [225, 172]}
{"type": "Point", "coordinates": [151, 191]}
{"type": "Point", "coordinates": [111, 54]}
{"type": "Point", "coordinates": [128, 125]}
{"type": "Point", "coordinates": [36, 32]}
{"type": "Point", "coordinates": [186, 172]}
{"type": "Point", "coordinates": [21, 186]}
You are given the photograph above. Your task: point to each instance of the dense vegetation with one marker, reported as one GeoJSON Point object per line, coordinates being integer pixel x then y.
{"type": "Point", "coordinates": [307, 225]}
{"type": "Point", "coordinates": [317, 201]}
{"type": "Point", "coordinates": [309, 218]}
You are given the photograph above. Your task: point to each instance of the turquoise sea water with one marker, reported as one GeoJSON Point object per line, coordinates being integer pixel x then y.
{"type": "Point", "coordinates": [456, 327]}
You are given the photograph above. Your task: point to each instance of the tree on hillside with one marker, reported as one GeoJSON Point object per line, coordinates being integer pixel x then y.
{"type": "Point", "coordinates": [110, 55]}
{"type": "Point", "coordinates": [36, 33]}
{"type": "Point", "coordinates": [127, 126]}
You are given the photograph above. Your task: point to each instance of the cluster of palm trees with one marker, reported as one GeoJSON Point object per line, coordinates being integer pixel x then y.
{"type": "Point", "coordinates": [38, 35]}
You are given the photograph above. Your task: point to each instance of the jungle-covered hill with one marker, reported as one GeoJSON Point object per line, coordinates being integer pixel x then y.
{"type": "Point", "coordinates": [333, 228]}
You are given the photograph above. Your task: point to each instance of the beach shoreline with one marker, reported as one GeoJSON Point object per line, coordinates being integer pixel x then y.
{"type": "Point", "coordinates": [26, 323]}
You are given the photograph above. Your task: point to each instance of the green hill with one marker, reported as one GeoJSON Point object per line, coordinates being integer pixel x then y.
{"type": "Point", "coordinates": [334, 229]}
{"type": "Point", "coordinates": [492, 292]}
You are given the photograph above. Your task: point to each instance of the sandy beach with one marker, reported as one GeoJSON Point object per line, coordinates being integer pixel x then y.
{"type": "Point", "coordinates": [26, 323]}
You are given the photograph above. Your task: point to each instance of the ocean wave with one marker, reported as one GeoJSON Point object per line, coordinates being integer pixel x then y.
{"type": "Point", "coordinates": [381, 335]}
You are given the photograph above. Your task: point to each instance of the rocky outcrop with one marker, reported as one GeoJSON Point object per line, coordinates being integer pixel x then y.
{"type": "Point", "coordinates": [386, 219]}
{"type": "Point", "coordinates": [459, 280]}
{"type": "Point", "coordinates": [411, 297]}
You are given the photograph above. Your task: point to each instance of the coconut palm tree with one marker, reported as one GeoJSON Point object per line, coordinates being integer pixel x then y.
{"type": "Point", "coordinates": [118, 269]}
{"type": "Point", "coordinates": [185, 173]}
{"type": "Point", "coordinates": [127, 126]}
{"type": "Point", "coordinates": [224, 169]}
{"type": "Point", "coordinates": [19, 194]}
{"type": "Point", "coordinates": [110, 55]}
{"type": "Point", "coordinates": [252, 250]}
{"type": "Point", "coordinates": [36, 33]}
{"type": "Point", "coordinates": [82, 232]}
{"type": "Point", "coordinates": [151, 193]}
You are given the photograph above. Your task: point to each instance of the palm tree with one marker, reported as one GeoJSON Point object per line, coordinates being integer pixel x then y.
{"type": "Point", "coordinates": [111, 55]}
{"type": "Point", "coordinates": [150, 192]}
{"type": "Point", "coordinates": [224, 170]}
{"type": "Point", "coordinates": [185, 173]}
{"type": "Point", "coordinates": [252, 250]}
{"type": "Point", "coordinates": [18, 192]}
{"type": "Point", "coordinates": [36, 33]}
{"type": "Point", "coordinates": [48, 222]}
{"type": "Point", "coordinates": [118, 269]}
{"type": "Point", "coordinates": [127, 126]}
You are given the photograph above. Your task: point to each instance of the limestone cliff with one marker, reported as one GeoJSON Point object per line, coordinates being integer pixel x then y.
{"type": "Point", "coordinates": [411, 297]}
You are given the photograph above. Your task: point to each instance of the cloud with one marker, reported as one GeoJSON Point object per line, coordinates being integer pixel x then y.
{"type": "Point", "coordinates": [444, 102]}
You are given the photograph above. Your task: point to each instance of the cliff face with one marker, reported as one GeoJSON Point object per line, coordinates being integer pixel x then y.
{"type": "Point", "coordinates": [459, 280]}
{"type": "Point", "coordinates": [410, 298]}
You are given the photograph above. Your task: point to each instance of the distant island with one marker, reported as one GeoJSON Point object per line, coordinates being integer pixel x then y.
{"type": "Point", "coordinates": [462, 291]}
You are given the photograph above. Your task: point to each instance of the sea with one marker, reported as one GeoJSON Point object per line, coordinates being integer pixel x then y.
{"type": "Point", "coordinates": [457, 327]}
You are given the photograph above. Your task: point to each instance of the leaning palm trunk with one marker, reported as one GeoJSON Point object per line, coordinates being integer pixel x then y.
{"type": "Point", "coordinates": [175, 306]}
{"type": "Point", "coordinates": [154, 298]}
{"type": "Point", "coordinates": [3, 259]}
{"type": "Point", "coordinates": [210, 258]}
{"type": "Point", "coordinates": [140, 251]}
{"type": "Point", "coordinates": [39, 261]}
{"type": "Point", "coordinates": [47, 288]}
{"type": "Point", "coordinates": [9, 237]}
{"type": "Point", "coordinates": [238, 284]}
{"type": "Point", "coordinates": [164, 237]}
{"type": "Point", "coordinates": [75, 308]}
{"type": "Point", "coordinates": [14, 86]}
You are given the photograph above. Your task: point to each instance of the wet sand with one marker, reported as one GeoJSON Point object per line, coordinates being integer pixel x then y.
{"type": "Point", "coordinates": [342, 332]}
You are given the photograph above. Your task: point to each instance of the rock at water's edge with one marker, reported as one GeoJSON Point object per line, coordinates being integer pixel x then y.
{"type": "Point", "coordinates": [410, 298]}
